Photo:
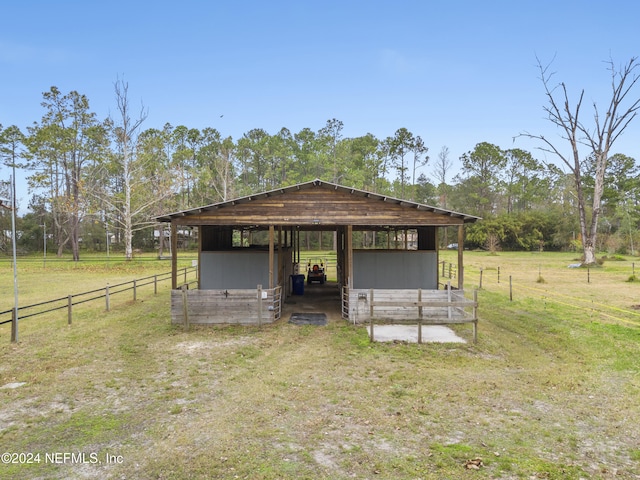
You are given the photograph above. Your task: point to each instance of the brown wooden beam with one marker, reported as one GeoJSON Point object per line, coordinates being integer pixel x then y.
{"type": "Point", "coordinates": [200, 255]}
{"type": "Point", "coordinates": [271, 254]}
{"type": "Point", "coordinates": [280, 279]}
{"type": "Point", "coordinates": [460, 257]}
{"type": "Point", "coordinates": [349, 255]}
{"type": "Point", "coordinates": [174, 255]}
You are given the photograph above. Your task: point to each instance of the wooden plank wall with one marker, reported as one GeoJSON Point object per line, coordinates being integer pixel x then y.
{"type": "Point", "coordinates": [312, 205]}
{"type": "Point", "coordinates": [245, 307]}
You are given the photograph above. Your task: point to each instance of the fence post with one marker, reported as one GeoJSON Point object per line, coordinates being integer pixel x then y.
{"type": "Point", "coordinates": [371, 314]}
{"type": "Point", "coordinates": [371, 329]}
{"type": "Point", "coordinates": [481, 271]}
{"type": "Point", "coordinates": [443, 263]}
{"type": "Point", "coordinates": [510, 289]}
{"type": "Point", "coordinates": [449, 300]}
{"type": "Point", "coordinates": [259, 305]}
{"type": "Point", "coordinates": [14, 324]}
{"type": "Point", "coordinates": [185, 274]}
{"type": "Point", "coordinates": [475, 316]}
{"type": "Point", "coordinates": [371, 303]}
{"type": "Point", "coordinates": [15, 310]}
{"type": "Point", "coordinates": [185, 307]}
{"type": "Point", "coordinates": [419, 315]}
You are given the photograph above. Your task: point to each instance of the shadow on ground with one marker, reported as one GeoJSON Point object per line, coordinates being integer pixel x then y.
{"type": "Point", "coordinates": [317, 298]}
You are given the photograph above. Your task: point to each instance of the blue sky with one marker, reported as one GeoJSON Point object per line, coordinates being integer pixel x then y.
{"type": "Point", "coordinates": [456, 73]}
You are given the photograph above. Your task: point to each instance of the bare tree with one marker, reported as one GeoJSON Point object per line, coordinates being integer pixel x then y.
{"type": "Point", "coordinates": [440, 171]}
{"type": "Point", "coordinates": [130, 184]}
{"type": "Point", "coordinates": [598, 138]}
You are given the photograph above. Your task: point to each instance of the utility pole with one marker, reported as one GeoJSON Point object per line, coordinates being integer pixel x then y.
{"type": "Point", "coordinates": [14, 317]}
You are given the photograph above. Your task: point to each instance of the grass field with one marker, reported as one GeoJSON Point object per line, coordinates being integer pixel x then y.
{"type": "Point", "coordinates": [551, 390]}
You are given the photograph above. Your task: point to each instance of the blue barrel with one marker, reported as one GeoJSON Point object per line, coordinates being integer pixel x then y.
{"type": "Point", "coordinates": [297, 284]}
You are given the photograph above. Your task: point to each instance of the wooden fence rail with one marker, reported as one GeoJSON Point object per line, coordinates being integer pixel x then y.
{"type": "Point", "coordinates": [232, 306]}
{"type": "Point", "coordinates": [69, 301]}
{"type": "Point", "coordinates": [421, 307]}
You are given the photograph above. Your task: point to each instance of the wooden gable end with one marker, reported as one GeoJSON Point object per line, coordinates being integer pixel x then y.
{"type": "Point", "coordinates": [317, 206]}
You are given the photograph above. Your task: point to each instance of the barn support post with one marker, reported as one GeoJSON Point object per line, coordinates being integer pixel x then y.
{"type": "Point", "coordinates": [340, 266]}
{"type": "Point", "coordinates": [349, 256]}
{"type": "Point", "coordinates": [460, 264]}
{"type": "Point", "coordinates": [174, 255]}
{"type": "Point", "coordinates": [271, 253]}
{"type": "Point", "coordinates": [299, 246]}
{"type": "Point", "coordinates": [198, 276]}
{"type": "Point", "coordinates": [280, 277]}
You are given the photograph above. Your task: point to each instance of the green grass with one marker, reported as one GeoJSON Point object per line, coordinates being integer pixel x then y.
{"type": "Point", "coordinates": [62, 277]}
{"type": "Point", "coordinates": [549, 391]}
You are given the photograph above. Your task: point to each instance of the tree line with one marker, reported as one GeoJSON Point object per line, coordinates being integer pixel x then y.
{"type": "Point", "coordinates": [99, 181]}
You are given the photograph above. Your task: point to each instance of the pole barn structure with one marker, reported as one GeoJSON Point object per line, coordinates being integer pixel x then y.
{"type": "Point", "coordinates": [240, 281]}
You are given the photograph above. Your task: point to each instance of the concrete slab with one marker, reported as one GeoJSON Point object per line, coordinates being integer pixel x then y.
{"type": "Point", "coordinates": [409, 333]}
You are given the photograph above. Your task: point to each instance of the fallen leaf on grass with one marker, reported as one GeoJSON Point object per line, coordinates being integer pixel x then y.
{"type": "Point", "coordinates": [473, 464]}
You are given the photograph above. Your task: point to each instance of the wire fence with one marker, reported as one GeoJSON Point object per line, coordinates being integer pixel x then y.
{"type": "Point", "coordinates": [188, 275]}
{"type": "Point", "coordinates": [502, 282]}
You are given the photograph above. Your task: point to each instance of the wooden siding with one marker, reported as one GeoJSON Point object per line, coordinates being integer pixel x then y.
{"type": "Point", "coordinates": [246, 307]}
{"type": "Point", "coordinates": [316, 207]}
